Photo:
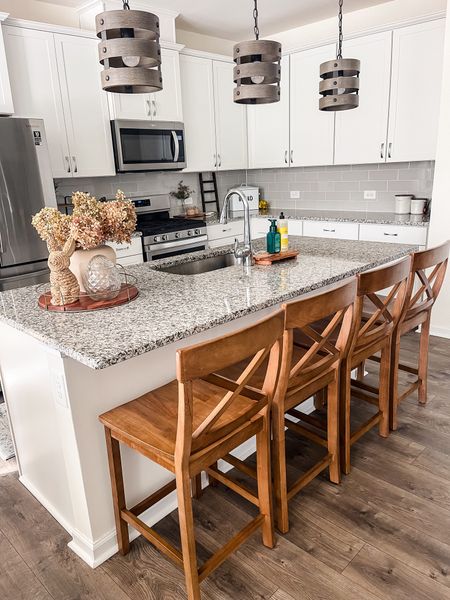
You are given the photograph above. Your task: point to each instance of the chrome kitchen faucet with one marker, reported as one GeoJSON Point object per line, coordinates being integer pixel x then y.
{"type": "Point", "coordinates": [243, 253]}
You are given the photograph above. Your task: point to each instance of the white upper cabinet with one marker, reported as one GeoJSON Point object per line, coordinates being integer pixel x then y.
{"type": "Point", "coordinates": [230, 120]}
{"type": "Point", "coordinates": [165, 105]}
{"type": "Point", "coordinates": [85, 107]}
{"type": "Point", "coordinates": [198, 111]}
{"type": "Point", "coordinates": [35, 88]}
{"type": "Point", "coordinates": [6, 102]}
{"type": "Point", "coordinates": [417, 61]}
{"type": "Point", "coordinates": [268, 128]}
{"type": "Point", "coordinates": [312, 130]}
{"type": "Point", "coordinates": [361, 132]}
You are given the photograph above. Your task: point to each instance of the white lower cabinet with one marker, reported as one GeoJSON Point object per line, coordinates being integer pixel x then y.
{"type": "Point", "coordinates": [394, 234]}
{"type": "Point", "coordinates": [260, 227]}
{"type": "Point", "coordinates": [220, 235]}
{"type": "Point", "coordinates": [331, 229]}
{"type": "Point", "coordinates": [129, 254]}
{"type": "Point", "coordinates": [6, 101]}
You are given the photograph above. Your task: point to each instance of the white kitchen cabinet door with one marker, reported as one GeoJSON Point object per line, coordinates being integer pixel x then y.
{"type": "Point", "coordinates": [230, 119]}
{"type": "Point", "coordinates": [394, 234]}
{"type": "Point", "coordinates": [259, 227]}
{"type": "Point", "coordinates": [361, 133]}
{"type": "Point", "coordinates": [198, 112]}
{"type": "Point", "coordinates": [166, 104]}
{"type": "Point", "coordinates": [268, 128]}
{"type": "Point", "coordinates": [85, 107]}
{"type": "Point", "coordinates": [6, 101]}
{"type": "Point", "coordinates": [312, 130]}
{"type": "Point", "coordinates": [131, 106]}
{"type": "Point", "coordinates": [331, 229]}
{"type": "Point", "coordinates": [35, 88]}
{"type": "Point", "coordinates": [417, 59]}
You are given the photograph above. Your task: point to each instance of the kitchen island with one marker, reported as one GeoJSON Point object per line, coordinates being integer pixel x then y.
{"type": "Point", "coordinates": [60, 371]}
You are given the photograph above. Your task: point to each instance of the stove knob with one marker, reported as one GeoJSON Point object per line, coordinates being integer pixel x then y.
{"type": "Point", "coordinates": [177, 235]}
{"type": "Point", "coordinates": [156, 238]}
{"type": "Point", "coordinates": [197, 232]}
{"type": "Point", "coordinates": [164, 237]}
{"type": "Point", "coordinates": [189, 232]}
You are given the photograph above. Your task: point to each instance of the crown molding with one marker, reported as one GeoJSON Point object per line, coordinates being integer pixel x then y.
{"type": "Point", "coordinates": [137, 5]}
{"type": "Point", "coordinates": [210, 55]}
{"type": "Point", "coordinates": [3, 16]}
{"type": "Point", "coordinates": [50, 27]}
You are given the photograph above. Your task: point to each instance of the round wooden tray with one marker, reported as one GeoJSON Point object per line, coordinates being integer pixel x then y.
{"type": "Point", "coordinates": [85, 303]}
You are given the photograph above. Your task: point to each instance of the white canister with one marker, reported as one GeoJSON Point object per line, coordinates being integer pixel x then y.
{"type": "Point", "coordinates": [418, 206]}
{"type": "Point", "coordinates": [403, 204]}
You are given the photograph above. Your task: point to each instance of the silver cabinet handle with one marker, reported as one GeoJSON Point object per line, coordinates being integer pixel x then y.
{"type": "Point", "coordinates": [390, 150]}
{"type": "Point", "coordinates": [154, 108]}
{"type": "Point", "coordinates": [149, 108]}
{"type": "Point", "coordinates": [215, 160]}
{"type": "Point", "coordinates": [330, 230]}
{"type": "Point", "coordinates": [286, 157]}
{"type": "Point", "coordinates": [75, 170]}
{"type": "Point", "coordinates": [292, 156]}
{"type": "Point", "coordinates": [68, 163]}
{"type": "Point", "coordinates": [392, 234]}
{"type": "Point", "coordinates": [219, 160]}
{"type": "Point", "coordinates": [382, 151]}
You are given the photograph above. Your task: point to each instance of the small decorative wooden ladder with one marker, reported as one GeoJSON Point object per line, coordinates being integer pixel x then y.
{"type": "Point", "coordinates": [205, 191]}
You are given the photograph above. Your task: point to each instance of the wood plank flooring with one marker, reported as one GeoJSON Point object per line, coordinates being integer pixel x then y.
{"type": "Point", "coordinates": [383, 534]}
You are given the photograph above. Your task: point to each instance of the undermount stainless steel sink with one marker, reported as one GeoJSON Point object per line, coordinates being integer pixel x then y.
{"type": "Point", "coordinates": [202, 265]}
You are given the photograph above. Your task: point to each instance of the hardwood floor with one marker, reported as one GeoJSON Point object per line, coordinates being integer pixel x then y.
{"type": "Point", "coordinates": [384, 533]}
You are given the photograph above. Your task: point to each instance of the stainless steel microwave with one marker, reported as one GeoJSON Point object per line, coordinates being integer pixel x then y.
{"type": "Point", "coordinates": [148, 145]}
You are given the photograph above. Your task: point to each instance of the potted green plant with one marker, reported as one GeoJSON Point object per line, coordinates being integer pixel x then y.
{"type": "Point", "coordinates": [182, 193]}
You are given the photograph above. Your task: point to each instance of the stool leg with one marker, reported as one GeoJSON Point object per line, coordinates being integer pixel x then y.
{"type": "Point", "coordinates": [333, 430]}
{"type": "Point", "coordinates": [118, 493]}
{"type": "Point", "coordinates": [384, 388]}
{"type": "Point", "coordinates": [393, 393]}
{"type": "Point", "coordinates": [423, 360]}
{"type": "Point", "coordinates": [197, 490]}
{"type": "Point", "coordinates": [213, 482]}
{"type": "Point", "coordinates": [279, 468]}
{"type": "Point", "coordinates": [187, 534]}
{"type": "Point", "coordinates": [344, 417]}
{"type": "Point", "coordinates": [320, 399]}
{"type": "Point", "coordinates": [360, 370]}
{"type": "Point", "coordinates": [265, 482]}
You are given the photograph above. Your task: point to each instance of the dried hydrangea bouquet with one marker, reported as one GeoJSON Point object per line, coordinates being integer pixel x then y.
{"type": "Point", "coordinates": [72, 240]}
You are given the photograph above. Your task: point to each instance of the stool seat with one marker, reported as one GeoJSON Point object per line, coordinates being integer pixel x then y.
{"type": "Point", "coordinates": [151, 420]}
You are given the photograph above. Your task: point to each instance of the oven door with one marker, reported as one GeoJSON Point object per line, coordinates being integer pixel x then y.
{"type": "Point", "coordinates": [156, 251]}
{"type": "Point", "coordinates": [148, 145]}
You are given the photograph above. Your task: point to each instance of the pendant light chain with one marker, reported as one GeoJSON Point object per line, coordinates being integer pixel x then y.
{"type": "Point", "coordinates": [255, 16]}
{"type": "Point", "coordinates": [341, 35]}
{"type": "Point", "coordinates": [126, 5]}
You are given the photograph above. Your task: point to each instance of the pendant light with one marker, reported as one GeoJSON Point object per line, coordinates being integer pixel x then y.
{"type": "Point", "coordinates": [340, 79]}
{"type": "Point", "coordinates": [129, 50]}
{"type": "Point", "coordinates": [257, 72]}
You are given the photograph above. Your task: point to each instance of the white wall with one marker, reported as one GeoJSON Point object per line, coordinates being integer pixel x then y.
{"type": "Point", "coordinates": [440, 215]}
{"type": "Point", "coordinates": [206, 43]}
{"type": "Point", "coordinates": [40, 11]}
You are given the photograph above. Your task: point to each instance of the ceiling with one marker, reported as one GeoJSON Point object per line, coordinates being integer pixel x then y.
{"type": "Point", "coordinates": [232, 19]}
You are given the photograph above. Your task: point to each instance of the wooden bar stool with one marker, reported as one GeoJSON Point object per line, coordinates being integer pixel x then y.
{"type": "Point", "coordinates": [188, 425]}
{"type": "Point", "coordinates": [311, 363]}
{"type": "Point", "coordinates": [427, 274]}
{"type": "Point", "coordinates": [380, 301]}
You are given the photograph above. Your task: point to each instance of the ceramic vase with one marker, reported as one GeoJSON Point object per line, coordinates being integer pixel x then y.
{"type": "Point", "coordinates": [80, 259]}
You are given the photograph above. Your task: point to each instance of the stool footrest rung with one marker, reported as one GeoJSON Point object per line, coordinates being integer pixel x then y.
{"type": "Point", "coordinates": [309, 476]}
{"type": "Point", "coordinates": [412, 388]}
{"type": "Point", "coordinates": [236, 487]}
{"type": "Point", "coordinates": [408, 369]}
{"type": "Point", "coordinates": [307, 433]}
{"type": "Point", "coordinates": [365, 386]}
{"type": "Point", "coordinates": [142, 506]}
{"type": "Point", "coordinates": [365, 428]}
{"type": "Point", "coordinates": [153, 537]}
{"type": "Point", "coordinates": [364, 396]}
{"type": "Point", "coordinates": [221, 555]}
{"type": "Point", "coordinates": [240, 465]}
{"type": "Point", "coordinates": [314, 421]}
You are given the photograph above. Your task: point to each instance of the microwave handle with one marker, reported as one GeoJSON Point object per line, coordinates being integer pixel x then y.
{"type": "Point", "coordinates": [177, 146]}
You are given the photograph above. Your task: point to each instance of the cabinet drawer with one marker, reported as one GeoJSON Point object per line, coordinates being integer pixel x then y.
{"type": "Point", "coordinates": [219, 231]}
{"type": "Point", "coordinates": [394, 234]}
{"type": "Point", "coordinates": [125, 261]}
{"type": "Point", "coordinates": [225, 241]}
{"type": "Point", "coordinates": [331, 229]}
{"type": "Point", "coordinates": [123, 250]}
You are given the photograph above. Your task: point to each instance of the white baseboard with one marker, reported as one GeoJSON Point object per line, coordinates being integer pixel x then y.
{"type": "Point", "coordinates": [442, 332]}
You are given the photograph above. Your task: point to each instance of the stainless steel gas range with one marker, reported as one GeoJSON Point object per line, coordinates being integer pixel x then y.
{"type": "Point", "coordinates": [164, 236]}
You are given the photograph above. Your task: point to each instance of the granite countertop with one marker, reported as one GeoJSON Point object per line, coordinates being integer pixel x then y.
{"type": "Point", "coordinates": [344, 216]}
{"type": "Point", "coordinates": [173, 307]}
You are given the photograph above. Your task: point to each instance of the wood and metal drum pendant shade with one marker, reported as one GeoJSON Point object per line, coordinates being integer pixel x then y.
{"type": "Point", "coordinates": [130, 52]}
{"type": "Point", "coordinates": [340, 84]}
{"type": "Point", "coordinates": [257, 73]}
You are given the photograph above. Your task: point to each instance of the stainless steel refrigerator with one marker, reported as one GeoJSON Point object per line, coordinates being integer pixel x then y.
{"type": "Point", "coordinates": [26, 186]}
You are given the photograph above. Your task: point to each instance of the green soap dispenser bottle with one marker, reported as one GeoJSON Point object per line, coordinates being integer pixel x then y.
{"type": "Point", "coordinates": [273, 238]}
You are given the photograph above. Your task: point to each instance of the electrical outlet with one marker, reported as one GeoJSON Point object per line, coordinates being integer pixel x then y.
{"type": "Point", "coordinates": [295, 194]}
{"type": "Point", "coordinates": [370, 195]}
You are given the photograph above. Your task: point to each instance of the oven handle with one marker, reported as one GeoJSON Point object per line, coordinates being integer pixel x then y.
{"type": "Point", "coordinates": [177, 146]}
{"type": "Point", "coordinates": [152, 248]}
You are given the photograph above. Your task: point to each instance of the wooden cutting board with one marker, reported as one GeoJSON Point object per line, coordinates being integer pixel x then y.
{"type": "Point", "coordinates": [266, 259]}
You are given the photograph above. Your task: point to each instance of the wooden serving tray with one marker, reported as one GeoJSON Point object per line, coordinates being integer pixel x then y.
{"type": "Point", "coordinates": [266, 259]}
{"type": "Point", "coordinates": [85, 303]}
